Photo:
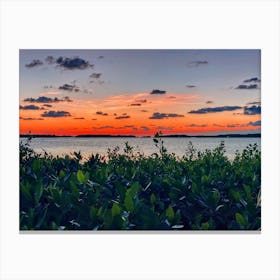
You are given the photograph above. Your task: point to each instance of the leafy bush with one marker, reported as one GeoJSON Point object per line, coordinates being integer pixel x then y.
{"type": "Point", "coordinates": [130, 191]}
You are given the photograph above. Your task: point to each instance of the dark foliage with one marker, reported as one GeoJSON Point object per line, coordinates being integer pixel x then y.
{"type": "Point", "coordinates": [130, 191]}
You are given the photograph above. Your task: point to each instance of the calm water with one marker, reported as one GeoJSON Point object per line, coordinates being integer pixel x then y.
{"type": "Point", "coordinates": [88, 146]}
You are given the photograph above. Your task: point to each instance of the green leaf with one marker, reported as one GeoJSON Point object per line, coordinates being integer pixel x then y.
{"type": "Point", "coordinates": [216, 196]}
{"type": "Point", "coordinates": [36, 165]}
{"type": "Point", "coordinates": [116, 210]}
{"type": "Point", "coordinates": [205, 226]}
{"type": "Point", "coordinates": [135, 187]}
{"type": "Point", "coordinates": [152, 198]}
{"type": "Point", "coordinates": [38, 192]}
{"type": "Point", "coordinates": [92, 212]}
{"type": "Point", "coordinates": [240, 220]}
{"type": "Point", "coordinates": [107, 219]}
{"type": "Point", "coordinates": [100, 212]}
{"type": "Point", "coordinates": [204, 179]}
{"type": "Point", "coordinates": [81, 177]}
{"type": "Point", "coordinates": [236, 195]}
{"type": "Point", "coordinates": [170, 213]}
{"type": "Point", "coordinates": [24, 189]}
{"type": "Point", "coordinates": [61, 173]}
{"type": "Point", "coordinates": [74, 188]}
{"type": "Point", "coordinates": [128, 201]}
{"type": "Point", "coordinates": [194, 188]}
{"type": "Point", "coordinates": [247, 190]}
{"type": "Point", "coordinates": [38, 225]}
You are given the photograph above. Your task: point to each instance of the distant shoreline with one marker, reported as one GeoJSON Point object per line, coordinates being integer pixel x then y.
{"type": "Point", "coordinates": [254, 135]}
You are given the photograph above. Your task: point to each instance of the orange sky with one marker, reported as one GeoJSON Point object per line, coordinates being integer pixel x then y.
{"type": "Point", "coordinates": [130, 114]}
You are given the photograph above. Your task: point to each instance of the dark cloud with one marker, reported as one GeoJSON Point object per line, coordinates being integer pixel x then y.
{"type": "Point", "coordinates": [29, 107]}
{"type": "Point", "coordinates": [50, 59]}
{"type": "Point", "coordinates": [256, 123]}
{"type": "Point", "coordinates": [157, 91]}
{"type": "Point", "coordinates": [100, 57]}
{"type": "Point", "coordinates": [44, 99]}
{"type": "Point", "coordinates": [101, 113]}
{"type": "Point", "coordinates": [172, 97]}
{"type": "Point", "coordinates": [144, 111]}
{"type": "Point", "coordinates": [73, 63]}
{"type": "Point", "coordinates": [78, 118]}
{"type": "Point", "coordinates": [47, 105]}
{"type": "Point", "coordinates": [68, 87]}
{"type": "Point", "coordinates": [93, 119]}
{"type": "Point", "coordinates": [197, 63]}
{"type": "Point", "coordinates": [95, 75]}
{"type": "Point", "coordinates": [122, 117]}
{"type": "Point", "coordinates": [218, 125]}
{"type": "Point", "coordinates": [190, 86]}
{"type": "Point", "coordinates": [209, 102]}
{"type": "Point", "coordinates": [253, 110]}
{"type": "Point", "coordinates": [34, 63]}
{"type": "Point", "coordinates": [254, 103]}
{"type": "Point", "coordinates": [145, 128]}
{"type": "Point", "coordinates": [252, 86]}
{"type": "Point", "coordinates": [215, 109]}
{"type": "Point", "coordinates": [56, 114]}
{"type": "Point", "coordinates": [31, 119]}
{"type": "Point", "coordinates": [135, 104]}
{"type": "Point", "coordinates": [158, 116]}
{"type": "Point", "coordinates": [252, 80]}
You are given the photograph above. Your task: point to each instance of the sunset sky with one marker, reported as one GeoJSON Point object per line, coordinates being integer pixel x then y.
{"type": "Point", "coordinates": [139, 92]}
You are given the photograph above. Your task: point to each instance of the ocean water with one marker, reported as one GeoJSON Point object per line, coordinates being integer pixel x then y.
{"type": "Point", "coordinates": [87, 146]}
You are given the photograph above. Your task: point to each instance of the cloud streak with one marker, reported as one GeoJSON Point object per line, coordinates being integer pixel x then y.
{"type": "Point", "coordinates": [101, 113]}
{"type": "Point", "coordinates": [73, 63]}
{"type": "Point", "coordinates": [31, 119]}
{"type": "Point", "coordinates": [215, 110]}
{"type": "Point", "coordinates": [95, 75]}
{"type": "Point", "coordinates": [122, 117]}
{"type": "Point", "coordinates": [256, 123]}
{"type": "Point", "coordinates": [29, 107]}
{"type": "Point", "coordinates": [252, 80]}
{"type": "Point", "coordinates": [67, 87]}
{"type": "Point", "coordinates": [196, 125]}
{"type": "Point", "coordinates": [157, 91]}
{"type": "Point", "coordinates": [197, 63]}
{"type": "Point", "coordinates": [56, 114]}
{"type": "Point", "coordinates": [159, 116]}
{"type": "Point", "coordinates": [253, 110]}
{"type": "Point", "coordinates": [254, 103]}
{"type": "Point", "coordinates": [252, 86]}
{"type": "Point", "coordinates": [44, 99]}
{"type": "Point", "coordinates": [34, 63]}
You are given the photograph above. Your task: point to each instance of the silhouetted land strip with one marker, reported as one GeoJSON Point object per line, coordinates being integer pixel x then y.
{"type": "Point", "coordinates": [252, 135]}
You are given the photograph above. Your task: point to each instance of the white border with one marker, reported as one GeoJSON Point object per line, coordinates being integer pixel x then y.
{"type": "Point", "coordinates": [153, 24]}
